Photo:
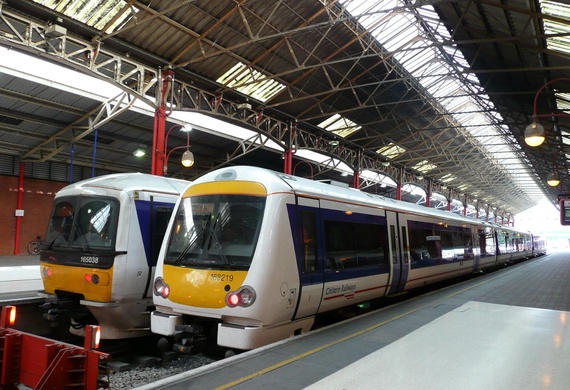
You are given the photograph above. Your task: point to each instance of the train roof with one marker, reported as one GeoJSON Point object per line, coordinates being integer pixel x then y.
{"type": "Point", "coordinates": [132, 182]}
{"type": "Point", "coordinates": [303, 186]}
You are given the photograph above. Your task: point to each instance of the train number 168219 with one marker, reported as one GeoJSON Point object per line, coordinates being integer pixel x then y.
{"type": "Point", "coordinates": [222, 277]}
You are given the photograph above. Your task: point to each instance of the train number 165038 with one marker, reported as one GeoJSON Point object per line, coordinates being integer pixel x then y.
{"type": "Point", "coordinates": [222, 277]}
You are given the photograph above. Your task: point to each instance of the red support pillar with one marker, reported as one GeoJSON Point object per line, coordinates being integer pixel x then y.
{"type": "Point", "coordinates": [399, 192]}
{"type": "Point", "coordinates": [288, 161]}
{"type": "Point", "coordinates": [19, 206]}
{"type": "Point", "coordinates": [356, 179]}
{"type": "Point", "coordinates": [160, 115]}
{"type": "Point", "coordinates": [158, 156]}
{"type": "Point", "coordinates": [288, 158]}
{"type": "Point", "coordinates": [356, 175]}
{"type": "Point", "coordinates": [428, 199]}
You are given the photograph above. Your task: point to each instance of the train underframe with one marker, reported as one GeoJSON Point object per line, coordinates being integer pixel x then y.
{"type": "Point", "coordinates": [117, 321]}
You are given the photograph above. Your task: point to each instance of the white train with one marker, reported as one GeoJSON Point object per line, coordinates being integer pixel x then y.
{"type": "Point", "coordinates": [100, 251]}
{"type": "Point", "coordinates": [252, 255]}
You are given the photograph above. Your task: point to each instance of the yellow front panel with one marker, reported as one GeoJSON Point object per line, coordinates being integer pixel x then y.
{"type": "Point", "coordinates": [201, 288]}
{"type": "Point", "coordinates": [72, 279]}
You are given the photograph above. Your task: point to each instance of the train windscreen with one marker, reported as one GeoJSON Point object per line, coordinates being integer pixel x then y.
{"type": "Point", "coordinates": [216, 231]}
{"type": "Point", "coordinates": [84, 223]}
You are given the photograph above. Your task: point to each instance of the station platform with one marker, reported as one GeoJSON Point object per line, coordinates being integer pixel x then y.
{"type": "Point", "coordinates": [20, 278]}
{"type": "Point", "coordinates": [504, 330]}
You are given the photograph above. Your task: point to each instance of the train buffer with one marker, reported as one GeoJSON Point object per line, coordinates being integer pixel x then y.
{"type": "Point", "coordinates": [40, 363]}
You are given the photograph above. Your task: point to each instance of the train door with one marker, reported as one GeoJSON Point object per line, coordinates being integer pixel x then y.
{"type": "Point", "coordinates": [399, 251]}
{"type": "Point", "coordinates": [310, 261]}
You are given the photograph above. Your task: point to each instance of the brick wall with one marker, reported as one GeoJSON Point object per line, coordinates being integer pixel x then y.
{"type": "Point", "coordinates": [37, 202]}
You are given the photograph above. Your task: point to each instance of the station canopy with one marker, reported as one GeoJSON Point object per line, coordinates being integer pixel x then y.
{"type": "Point", "coordinates": [433, 93]}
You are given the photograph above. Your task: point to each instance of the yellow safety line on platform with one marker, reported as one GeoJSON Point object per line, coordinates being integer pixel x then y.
{"type": "Point", "coordinates": [318, 349]}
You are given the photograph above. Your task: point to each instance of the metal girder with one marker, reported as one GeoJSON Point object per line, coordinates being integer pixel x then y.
{"type": "Point", "coordinates": [138, 81]}
{"type": "Point", "coordinates": [90, 57]}
{"type": "Point", "coordinates": [79, 128]}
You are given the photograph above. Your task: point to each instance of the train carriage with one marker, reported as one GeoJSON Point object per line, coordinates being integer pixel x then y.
{"type": "Point", "coordinates": [100, 251]}
{"type": "Point", "coordinates": [252, 256]}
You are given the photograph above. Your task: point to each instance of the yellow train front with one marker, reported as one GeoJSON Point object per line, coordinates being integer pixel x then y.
{"type": "Point", "coordinates": [102, 243]}
{"type": "Point", "coordinates": [252, 256]}
{"type": "Point", "coordinates": [221, 265]}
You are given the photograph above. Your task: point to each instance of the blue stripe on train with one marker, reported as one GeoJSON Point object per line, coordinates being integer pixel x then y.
{"type": "Point", "coordinates": [145, 219]}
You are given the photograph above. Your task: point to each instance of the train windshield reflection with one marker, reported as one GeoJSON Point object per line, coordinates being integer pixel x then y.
{"type": "Point", "coordinates": [83, 222]}
{"type": "Point", "coordinates": [216, 230]}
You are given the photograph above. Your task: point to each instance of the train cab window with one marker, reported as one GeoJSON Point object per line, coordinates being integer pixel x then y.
{"type": "Point", "coordinates": [85, 222]}
{"type": "Point", "coordinates": [61, 220]}
{"type": "Point", "coordinates": [216, 229]}
{"type": "Point", "coordinates": [94, 225]}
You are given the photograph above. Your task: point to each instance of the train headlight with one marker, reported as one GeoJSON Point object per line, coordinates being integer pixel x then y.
{"type": "Point", "coordinates": [161, 288]}
{"type": "Point", "coordinates": [91, 278]}
{"type": "Point", "coordinates": [47, 272]}
{"type": "Point", "coordinates": [244, 297]}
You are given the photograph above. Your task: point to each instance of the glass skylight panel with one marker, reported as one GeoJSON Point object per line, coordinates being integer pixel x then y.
{"type": "Point", "coordinates": [391, 151]}
{"type": "Point", "coordinates": [402, 34]}
{"type": "Point", "coordinates": [447, 178]}
{"type": "Point", "coordinates": [94, 13]}
{"type": "Point", "coordinates": [560, 11]}
{"type": "Point", "coordinates": [565, 139]}
{"type": "Point", "coordinates": [418, 61]}
{"type": "Point", "coordinates": [339, 125]}
{"type": "Point", "coordinates": [424, 166]}
{"type": "Point", "coordinates": [250, 82]}
{"type": "Point", "coordinates": [563, 101]}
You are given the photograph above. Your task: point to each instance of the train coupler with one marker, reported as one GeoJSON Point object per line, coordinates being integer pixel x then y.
{"type": "Point", "coordinates": [189, 339]}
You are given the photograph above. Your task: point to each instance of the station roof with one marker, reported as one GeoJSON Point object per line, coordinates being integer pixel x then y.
{"type": "Point", "coordinates": [438, 91]}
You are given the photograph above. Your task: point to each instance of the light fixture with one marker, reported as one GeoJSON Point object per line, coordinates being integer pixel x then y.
{"type": "Point", "coordinates": [553, 179]}
{"type": "Point", "coordinates": [334, 143]}
{"type": "Point", "coordinates": [187, 158]}
{"type": "Point", "coordinates": [140, 152]}
{"type": "Point", "coordinates": [386, 163]}
{"type": "Point", "coordinates": [534, 134]}
{"type": "Point", "coordinates": [420, 177]}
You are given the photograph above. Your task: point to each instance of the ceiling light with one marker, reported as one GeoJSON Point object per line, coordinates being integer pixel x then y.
{"type": "Point", "coordinates": [385, 163]}
{"type": "Point", "coordinates": [334, 143]}
{"type": "Point", "coordinates": [553, 179]}
{"type": "Point", "coordinates": [140, 152]}
{"type": "Point", "coordinates": [188, 158]}
{"type": "Point", "coordinates": [534, 134]}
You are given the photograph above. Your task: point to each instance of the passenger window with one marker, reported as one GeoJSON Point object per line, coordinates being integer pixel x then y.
{"type": "Point", "coordinates": [309, 241]}
{"type": "Point", "coordinates": [431, 244]}
{"type": "Point", "coordinates": [352, 245]}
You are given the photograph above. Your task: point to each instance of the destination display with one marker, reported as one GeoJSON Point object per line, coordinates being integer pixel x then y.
{"type": "Point", "coordinates": [565, 212]}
